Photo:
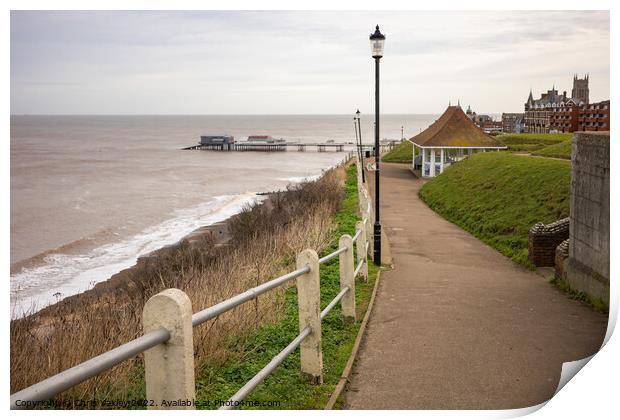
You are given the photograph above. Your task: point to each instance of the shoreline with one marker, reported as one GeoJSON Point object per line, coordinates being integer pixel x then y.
{"type": "Point", "coordinates": [263, 242]}
{"type": "Point", "coordinates": [218, 232]}
{"type": "Point", "coordinates": [108, 287]}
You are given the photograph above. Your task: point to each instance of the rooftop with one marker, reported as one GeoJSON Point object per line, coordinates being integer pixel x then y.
{"type": "Point", "coordinates": [454, 129]}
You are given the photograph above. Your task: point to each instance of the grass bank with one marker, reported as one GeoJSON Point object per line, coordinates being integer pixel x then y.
{"type": "Point", "coordinates": [498, 196]}
{"type": "Point", "coordinates": [560, 150]}
{"type": "Point", "coordinates": [285, 385]}
{"type": "Point", "coordinates": [528, 142]}
{"type": "Point", "coordinates": [402, 153]}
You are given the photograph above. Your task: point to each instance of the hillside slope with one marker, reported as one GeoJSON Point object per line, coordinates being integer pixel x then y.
{"type": "Point", "coordinates": [498, 196]}
{"type": "Point", "coordinates": [558, 150]}
{"type": "Point", "coordinates": [527, 142]}
{"type": "Point", "coordinates": [402, 153]}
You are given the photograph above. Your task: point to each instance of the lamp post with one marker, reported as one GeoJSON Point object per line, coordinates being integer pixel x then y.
{"type": "Point", "coordinates": [360, 150]}
{"type": "Point", "coordinates": [376, 46]}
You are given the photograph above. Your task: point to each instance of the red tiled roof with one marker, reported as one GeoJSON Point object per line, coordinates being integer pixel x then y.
{"type": "Point", "coordinates": [454, 129]}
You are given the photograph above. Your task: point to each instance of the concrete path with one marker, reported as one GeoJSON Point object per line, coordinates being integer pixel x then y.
{"type": "Point", "coordinates": [456, 325]}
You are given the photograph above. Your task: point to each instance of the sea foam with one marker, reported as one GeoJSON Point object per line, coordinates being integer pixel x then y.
{"type": "Point", "coordinates": [62, 275]}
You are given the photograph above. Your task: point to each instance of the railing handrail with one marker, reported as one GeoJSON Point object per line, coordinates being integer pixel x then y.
{"type": "Point", "coordinates": [333, 255]}
{"type": "Point", "coordinates": [66, 379]}
{"type": "Point", "coordinates": [73, 376]}
{"type": "Point", "coordinates": [225, 306]}
{"type": "Point", "coordinates": [264, 372]}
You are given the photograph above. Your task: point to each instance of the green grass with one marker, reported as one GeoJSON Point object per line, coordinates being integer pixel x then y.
{"type": "Point", "coordinates": [560, 150]}
{"type": "Point", "coordinates": [498, 197]}
{"type": "Point", "coordinates": [533, 138]}
{"type": "Point", "coordinates": [528, 142]}
{"type": "Point", "coordinates": [401, 153]}
{"type": "Point", "coordinates": [525, 147]}
{"type": "Point", "coordinates": [286, 384]}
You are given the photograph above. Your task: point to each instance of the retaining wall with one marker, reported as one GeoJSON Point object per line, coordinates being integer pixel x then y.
{"type": "Point", "coordinates": [587, 266]}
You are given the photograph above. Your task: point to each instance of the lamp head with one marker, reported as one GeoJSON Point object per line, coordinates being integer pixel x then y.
{"type": "Point", "coordinates": [377, 41]}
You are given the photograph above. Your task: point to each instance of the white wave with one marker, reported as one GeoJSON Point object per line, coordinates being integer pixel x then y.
{"type": "Point", "coordinates": [298, 179]}
{"type": "Point", "coordinates": [64, 275]}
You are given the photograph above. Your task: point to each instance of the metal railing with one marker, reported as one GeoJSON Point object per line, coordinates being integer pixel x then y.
{"type": "Point", "coordinates": [168, 321]}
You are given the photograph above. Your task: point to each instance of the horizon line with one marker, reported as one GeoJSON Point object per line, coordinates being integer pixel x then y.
{"type": "Point", "coordinates": [217, 115]}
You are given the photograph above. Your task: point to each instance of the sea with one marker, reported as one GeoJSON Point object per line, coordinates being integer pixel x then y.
{"type": "Point", "coordinates": [91, 194]}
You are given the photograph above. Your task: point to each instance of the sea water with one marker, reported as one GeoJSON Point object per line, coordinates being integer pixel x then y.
{"type": "Point", "coordinates": [90, 194]}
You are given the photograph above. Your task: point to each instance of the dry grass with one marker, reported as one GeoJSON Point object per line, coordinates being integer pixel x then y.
{"type": "Point", "coordinates": [265, 240]}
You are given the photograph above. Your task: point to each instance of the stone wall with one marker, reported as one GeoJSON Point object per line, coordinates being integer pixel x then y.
{"type": "Point", "coordinates": [587, 266]}
{"type": "Point", "coordinates": [544, 239]}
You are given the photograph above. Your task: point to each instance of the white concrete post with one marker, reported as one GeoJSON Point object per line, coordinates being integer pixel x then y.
{"type": "Point", "coordinates": [169, 367]}
{"type": "Point", "coordinates": [309, 302]}
{"type": "Point", "coordinates": [360, 194]}
{"type": "Point", "coordinates": [347, 268]}
{"type": "Point", "coordinates": [360, 248]}
{"type": "Point", "coordinates": [369, 231]}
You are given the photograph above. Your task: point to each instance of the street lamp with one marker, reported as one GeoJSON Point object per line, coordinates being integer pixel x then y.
{"type": "Point", "coordinates": [376, 46]}
{"type": "Point", "coordinates": [359, 149]}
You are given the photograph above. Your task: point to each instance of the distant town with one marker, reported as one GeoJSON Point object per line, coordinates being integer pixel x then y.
{"type": "Point", "coordinates": [552, 113]}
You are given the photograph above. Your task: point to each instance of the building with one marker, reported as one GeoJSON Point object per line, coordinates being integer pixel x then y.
{"type": "Point", "coordinates": [491, 127]}
{"type": "Point", "coordinates": [485, 122]}
{"type": "Point", "coordinates": [594, 117]}
{"type": "Point", "coordinates": [512, 122]}
{"type": "Point", "coordinates": [264, 139]}
{"type": "Point", "coordinates": [478, 119]}
{"type": "Point", "coordinates": [223, 142]}
{"type": "Point", "coordinates": [451, 138]}
{"type": "Point", "coordinates": [553, 111]}
{"type": "Point", "coordinates": [563, 117]}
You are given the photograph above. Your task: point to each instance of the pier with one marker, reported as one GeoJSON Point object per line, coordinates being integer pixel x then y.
{"type": "Point", "coordinates": [283, 147]}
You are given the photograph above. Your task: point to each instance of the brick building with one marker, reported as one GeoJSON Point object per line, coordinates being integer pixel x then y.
{"type": "Point", "coordinates": [563, 118]}
{"type": "Point", "coordinates": [594, 117]}
{"type": "Point", "coordinates": [557, 113]}
{"type": "Point", "coordinates": [512, 122]}
{"type": "Point", "coordinates": [538, 112]}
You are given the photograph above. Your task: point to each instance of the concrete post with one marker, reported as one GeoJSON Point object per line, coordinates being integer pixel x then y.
{"type": "Point", "coordinates": [360, 248]}
{"type": "Point", "coordinates": [309, 302]}
{"type": "Point", "coordinates": [346, 278]}
{"type": "Point", "coordinates": [369, 238]}
{"type": "Point", "coordinates": [360, 196]}
{"type": "Point", "coordinates": [169, 367]}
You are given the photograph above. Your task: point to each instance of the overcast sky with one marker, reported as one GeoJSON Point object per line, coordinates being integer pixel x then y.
{"type": "Point", "coordinates": [298, 62]}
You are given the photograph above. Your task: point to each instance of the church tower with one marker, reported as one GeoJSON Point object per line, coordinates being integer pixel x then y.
{"type": "Point", "coordinates": [581, 91]}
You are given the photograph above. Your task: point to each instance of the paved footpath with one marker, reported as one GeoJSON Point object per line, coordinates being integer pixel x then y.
{"type": "Point", "coordinates": [456, 325]}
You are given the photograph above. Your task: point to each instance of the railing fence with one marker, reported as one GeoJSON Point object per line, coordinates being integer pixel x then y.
{"type": "Point", "coordinates": [168, 324]}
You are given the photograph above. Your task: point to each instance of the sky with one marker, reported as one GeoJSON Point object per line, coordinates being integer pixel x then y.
{"type": "Point", "coordinates": [214, 62]}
